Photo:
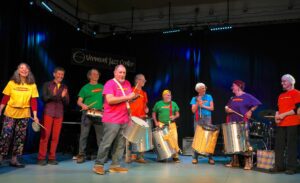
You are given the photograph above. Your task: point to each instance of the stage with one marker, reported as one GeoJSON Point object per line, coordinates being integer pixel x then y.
{"type": "Point", "coordinates": [69, 171]}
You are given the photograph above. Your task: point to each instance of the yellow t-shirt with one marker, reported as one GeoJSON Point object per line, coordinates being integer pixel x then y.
{"type": "Point", "coordinates": [18, 105]}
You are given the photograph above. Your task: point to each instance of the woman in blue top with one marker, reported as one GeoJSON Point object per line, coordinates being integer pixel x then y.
{"type": "Point", "coordinates": [202, 106]}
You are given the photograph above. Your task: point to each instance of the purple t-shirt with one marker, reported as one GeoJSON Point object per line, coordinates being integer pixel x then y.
{"type": "Point", "coordinates": [115, 113]}
{"type": "Point", "coordinates": [241, 104]}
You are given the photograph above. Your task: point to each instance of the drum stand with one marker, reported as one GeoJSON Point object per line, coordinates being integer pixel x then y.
{"type": "Point", "coordinates": [269, 136]}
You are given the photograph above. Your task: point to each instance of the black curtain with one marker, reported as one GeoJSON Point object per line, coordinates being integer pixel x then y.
{"type": "Point", "coordinates": [257, 55]}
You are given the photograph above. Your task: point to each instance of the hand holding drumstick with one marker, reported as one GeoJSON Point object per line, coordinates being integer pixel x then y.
{"type": "Point", "coordinates": [37, 122]}
{"type": "Point", "coordinates": [85, 107]}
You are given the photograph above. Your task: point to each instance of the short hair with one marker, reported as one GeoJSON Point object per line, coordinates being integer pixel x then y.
{"type": "Point", "coordinates": [289, 78]}
{"type": "Point", "coordinates": [90, 72]}
{"type": "Point", "coordinates": [59, 69]}
{"type": "Point", "coordinates": [198, 85]}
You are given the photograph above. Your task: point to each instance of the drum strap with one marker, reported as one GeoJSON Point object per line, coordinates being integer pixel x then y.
{"type": "Point", "coordinates": [170, 110]}
{"type": "Point", "coordinates": [122, 89]}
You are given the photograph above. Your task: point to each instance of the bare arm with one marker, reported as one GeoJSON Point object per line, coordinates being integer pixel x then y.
{"type": "Point", "coordinates": [111, 99]}
{"type": "Point", "coordinates": [81, 104]}
{"type": "Point", "coordinates": [155, 119]}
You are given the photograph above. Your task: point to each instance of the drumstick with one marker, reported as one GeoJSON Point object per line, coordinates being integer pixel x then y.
{"type": "Point", "coordinates": [226, 107]}
{"type": "Point", "coordinates": [137, 84]}
{"type": "Point", "coordinates": [90, 105]}
{"type": "Point", "coordinates": [38, 123]}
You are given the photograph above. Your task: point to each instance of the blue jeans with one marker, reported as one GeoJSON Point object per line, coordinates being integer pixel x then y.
{"type": "Point", "coordinates": [205, 120]}
{"type": "Point", "coordinates": [112, 133]}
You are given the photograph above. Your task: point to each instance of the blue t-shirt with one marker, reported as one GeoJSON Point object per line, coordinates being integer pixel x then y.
{"type": "Point", "coordinates": [206, 102]}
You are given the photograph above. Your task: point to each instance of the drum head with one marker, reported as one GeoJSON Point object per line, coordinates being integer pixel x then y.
{"type": "Point", "coordinates": [35, 127]}
{"type": "Point", "coordinates": [139, 121]}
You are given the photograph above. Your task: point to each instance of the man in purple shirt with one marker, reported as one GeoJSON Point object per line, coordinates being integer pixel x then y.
{"type": "Point", "coordinates": [239, 109]}
{"type": "Point", "coordinates": [55, 96]}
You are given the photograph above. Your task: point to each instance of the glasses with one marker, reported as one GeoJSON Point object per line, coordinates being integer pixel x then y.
{"type": "Point", "coordinates": [143, 80]}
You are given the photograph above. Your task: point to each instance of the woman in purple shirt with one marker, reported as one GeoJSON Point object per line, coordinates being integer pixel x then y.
{"type": "Point", "coordinates": [239, 109]}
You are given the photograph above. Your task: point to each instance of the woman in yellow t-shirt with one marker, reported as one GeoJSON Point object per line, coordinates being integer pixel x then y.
{"type": "Point", "coordinates": [18, 96]}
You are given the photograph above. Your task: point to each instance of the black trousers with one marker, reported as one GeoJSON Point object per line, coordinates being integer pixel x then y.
{"type": "Point", "coordinates": [286, 147]}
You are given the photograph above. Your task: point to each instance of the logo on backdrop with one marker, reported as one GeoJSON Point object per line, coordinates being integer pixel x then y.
{"type": "Point", "coordinates": [102, 60]}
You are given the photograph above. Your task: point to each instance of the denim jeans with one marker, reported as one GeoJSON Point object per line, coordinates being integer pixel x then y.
{"type": "Point", "coordinates": [86, 124]}
{"type": "Point", "coordinates": [112, 133]}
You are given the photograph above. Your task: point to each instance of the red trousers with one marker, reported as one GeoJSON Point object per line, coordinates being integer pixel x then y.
{"type": "Point", "coordinates": [53, 126]}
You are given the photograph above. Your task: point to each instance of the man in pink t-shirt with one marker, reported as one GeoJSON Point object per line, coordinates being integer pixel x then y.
{"type": "Point", "coordinates": [117, 92]}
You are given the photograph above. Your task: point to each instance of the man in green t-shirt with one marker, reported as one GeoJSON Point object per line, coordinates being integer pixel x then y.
{"type": "Point", "coordinates": [164, 113]}
{"type": "Point", "coordinates": [90, 97]}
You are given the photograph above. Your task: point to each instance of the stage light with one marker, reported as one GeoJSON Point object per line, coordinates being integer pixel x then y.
{"type": "Point", "coordinates": [47, 6]}
{"type": "Point", "coordinates": [220, 27]}
{"type": "Point", "coordinates": [79, 26]}
{"type": "Point", "coordinates": [170, 31]}
{"type": "Point", "coordinates": [31, 3]}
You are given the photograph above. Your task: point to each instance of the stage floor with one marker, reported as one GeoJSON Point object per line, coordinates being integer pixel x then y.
{"type": "Point", "coordinates": [69, 171]}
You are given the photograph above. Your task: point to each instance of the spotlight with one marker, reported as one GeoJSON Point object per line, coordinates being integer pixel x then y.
{"type": "Point", "coordinates": [220, 27]}
{"type": "Point", "coordinates": [95, 29]}
{"type": "Point", "coordinates": [31, 3]}
{"type": "Point", "coordinates": [170, 31]}
{"type": "Point", "coordinates": [79, 26]}
{"type": "Point", "coordinates": [46, 6]}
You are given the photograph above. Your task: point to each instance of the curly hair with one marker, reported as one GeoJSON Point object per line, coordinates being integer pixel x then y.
{"type": "Point", "coordinates": [16, 76]}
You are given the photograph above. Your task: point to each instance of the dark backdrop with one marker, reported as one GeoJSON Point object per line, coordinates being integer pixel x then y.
{"type": "Point", "coordinates": [258, 55]}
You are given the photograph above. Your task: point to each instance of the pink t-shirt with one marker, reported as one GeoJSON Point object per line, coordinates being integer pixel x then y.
{"type": "Point", "coordinates": [115, 113]}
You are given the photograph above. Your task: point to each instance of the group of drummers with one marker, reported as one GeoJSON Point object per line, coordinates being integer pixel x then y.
{"type": "Point", "coordinates": [119, 114]}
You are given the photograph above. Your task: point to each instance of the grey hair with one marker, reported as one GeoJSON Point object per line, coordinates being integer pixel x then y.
{"type": "Point", "coordinates": [198, 85]}
{"type": "Point", "coordinates": [16, 76]}
{"type": "Point", "coordinates": [289, 78]}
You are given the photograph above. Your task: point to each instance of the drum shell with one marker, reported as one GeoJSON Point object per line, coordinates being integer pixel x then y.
{"type": "Point", "coordinates": [135, 132]}
{"type": "Point", "coordinates": [146, 142]}
{"type": "Point", "coordinates": [163, 149]}
{"type": "Point", "coordinates": [94, 113]}
{"type": "Point", "coordinates": [234, 136]}
{"type": "Point", "coordinates": [205, 140]}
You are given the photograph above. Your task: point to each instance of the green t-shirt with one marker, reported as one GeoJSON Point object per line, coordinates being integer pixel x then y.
{"type": "Point", "coordinates": [91, 93]}
{"type": "Point", "coordinates": [162, 110]}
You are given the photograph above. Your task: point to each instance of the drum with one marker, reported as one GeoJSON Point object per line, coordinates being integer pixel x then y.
{"type": "Point", "coordinates": [146, 143]}
{"type": "Point", "coordinates": [205, 139]}
{"type": "Point", "coordinates": [94, 113]}
{"type": "Point", "coordinates": [234, 135]}
{"type": "Point", "coordinates": [135, 130]}
{"type": "Point", "coordinates": [257, 129]}
{"type": "Point", "coordinates": [162, 147]}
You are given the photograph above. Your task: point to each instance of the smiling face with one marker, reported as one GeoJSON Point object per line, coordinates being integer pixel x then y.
{"type": "Point", "coordinates": [286, 85]}
{"type": "Point", "coordinates": [120, 73]}
{"type": "Point", "coordinates": [58, 76]}
{"type": "Point", "coordinates": [167, 97]}
{"type": "Point", "coordinates": [23, 70]}
{"type": "Point", "coordinates": [94, 76]}
{"type": "Point", "coordinates": [201, 90]}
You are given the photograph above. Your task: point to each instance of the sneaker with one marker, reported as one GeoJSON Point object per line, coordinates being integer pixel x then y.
{"type": "Point", "coordinates": [141, 160]}
{"type": "Point", "coordinates": [290, 172]}
{"type": "Point", "coordinates": [80, 158]}
{"type": "Point", "coordinates": [52, 162]}
{"type": "Point", "coordinates": [194, 161]}
{"type": "Point", "coordinates": [16, 165]}
{"type": "Point", "coordinates": [98, 169]}
{"type": "Point", "coordinates": [176, 160]}
{"type": "Point", "coordinates": [42, 162]}
{"type": "Point", "coordinates": [276, 170]}
{"type": "Point", "coordinates": [118, 170]}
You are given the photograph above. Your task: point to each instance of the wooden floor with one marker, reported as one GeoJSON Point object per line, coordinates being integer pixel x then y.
{"type": "Point", "coordinates": [69, 171]}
